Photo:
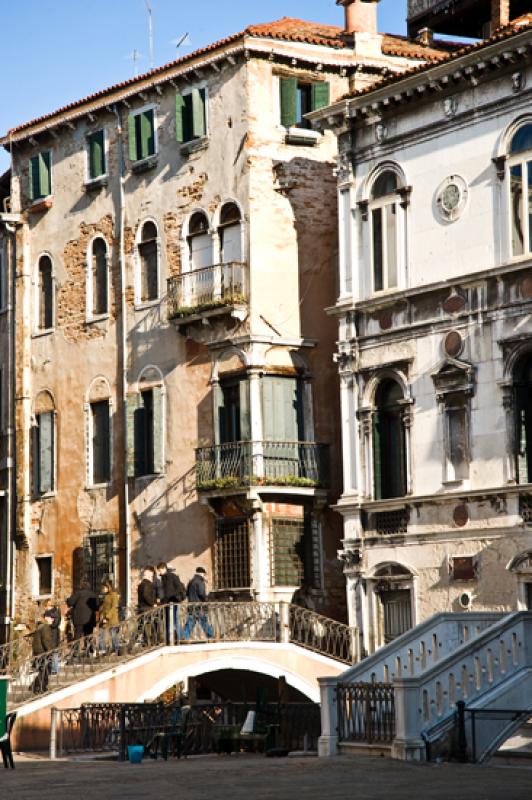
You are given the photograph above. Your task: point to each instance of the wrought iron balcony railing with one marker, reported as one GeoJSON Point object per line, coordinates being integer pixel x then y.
{"type": "Point", "coordinates": [206, 289]}
{"type": "Point", "coordinates": [237, 464]}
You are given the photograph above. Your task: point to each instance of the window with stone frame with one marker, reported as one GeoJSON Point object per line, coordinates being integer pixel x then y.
{"type": "Point", "coordinates": [96, 156]}
{"type": "Point", "coordinates": [520, 188]}
{"type": "Point", "coordinates": [43, 452]}
{"type": "Point", "coordinates": [299, 97]}
{"type": "Point", "coordinates": [148, 252]}
{"type": "Point", "coordinates": [98, 279]}
{"type": "Point", "coordinates": [389, 441]}
{"type": "Point", "coordinates": [44, 576]}
{"type": "Point", "coordinates": [454, 384]}
{"type": "Point", "coordinates": [294, 551]}
{"type": "Point", "coordinates": [199, 242]}
{"type": "Point", "coordinates": [100, 442]}
{"type": "Point", "coordinates": [230, 234]}
{"type": "Point", "coordinates": [145, 432]}
{"type": "Point", "coordinates": [523, 419]}
{"type": "Point", "coordinates": [384, 225]}
{"type": "Point", "coordinates": [142, 135]}
{"type": "Point", "coordinates": [191, 114]}
{"type": "Point", "coordinates": [45, 293]}
{"type": "Point", "coordinates": [40, 176]}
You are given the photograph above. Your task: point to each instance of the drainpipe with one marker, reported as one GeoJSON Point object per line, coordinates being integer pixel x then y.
{"type": "Point", "coordinates": [123, 351]}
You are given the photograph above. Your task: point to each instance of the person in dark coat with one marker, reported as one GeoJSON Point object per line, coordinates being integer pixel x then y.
{"type": "Point", "coordinates": [41, 644]}
{"type": "Point", "coordinates": [197, 593]}
{"type": "Point", "coordinates": [173, 592]}
{"type": "Point", "coordinates": [84, 604]}
{"type": "Point", "coordinates": [54, 611]}
{"type": "Point", "coordinates": [146, 597]}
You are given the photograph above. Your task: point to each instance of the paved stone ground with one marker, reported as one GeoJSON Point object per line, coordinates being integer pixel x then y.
{"type": "Point", "coordinates": [248, 777]}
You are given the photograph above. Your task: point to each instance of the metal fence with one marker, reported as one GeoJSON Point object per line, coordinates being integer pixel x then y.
{"type": "Point", "coordinates": [366, 713]}
{"type": "Point", "coordinates": [182, 623]}
{"type": "Point", "coordinates": [112, 727]}
{"type": "Point", "coordinates": [208, 288]}
{"type": "Point", "coordinates": [303, 464]}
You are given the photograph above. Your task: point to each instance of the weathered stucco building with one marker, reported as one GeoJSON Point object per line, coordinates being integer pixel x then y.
{"type": "Point", "coordinates": [435, 343]}
{"type": "Point", "coordinates": [174, 392]}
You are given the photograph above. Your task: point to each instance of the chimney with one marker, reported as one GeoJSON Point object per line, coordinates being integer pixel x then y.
{"type": "Point", "coordinates": [500, 14]}
{"type": "Point", "coordinates": [425, 36]}
{"type": "Point", "coordinates": [360, 15]}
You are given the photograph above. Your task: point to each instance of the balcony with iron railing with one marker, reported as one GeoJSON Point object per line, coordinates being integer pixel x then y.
{"type": "Point", "coordinates": [215, 290]}
{"type": "Point", "coordinates": [234, 465]}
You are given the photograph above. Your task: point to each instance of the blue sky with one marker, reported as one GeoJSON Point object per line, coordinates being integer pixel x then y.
{"type": "Point", "coordinates": [56, 51]}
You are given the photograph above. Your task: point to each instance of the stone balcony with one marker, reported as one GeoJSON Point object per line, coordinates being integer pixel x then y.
{"type": "Point", "coordinates": [221, 290]}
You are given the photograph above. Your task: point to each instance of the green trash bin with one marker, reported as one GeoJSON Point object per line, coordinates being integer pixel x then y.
{"type": "Point", "coordinates": [4, 681]}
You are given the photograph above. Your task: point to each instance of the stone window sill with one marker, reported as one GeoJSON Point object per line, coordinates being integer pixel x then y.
{"type": "Point", "coordinates": [194, 146]}
{"type": "Point", "coordinates": [142, 305]}
{"type": "Point", "coordinates": [302, 136]}
{"type": "Point", "coordinates": [145, 165]}
{"type": "Point", "coordinates": [38, 334]}
{"type": "Point", "coordinates": [40, 206]}
{"type": "Point", "coordinates": [95, 184]}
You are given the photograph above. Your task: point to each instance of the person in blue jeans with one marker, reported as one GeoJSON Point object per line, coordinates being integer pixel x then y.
{"type": "Point", "coordinates": [197, 593]}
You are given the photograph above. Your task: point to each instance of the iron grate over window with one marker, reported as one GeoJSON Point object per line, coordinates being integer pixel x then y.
{"type": "Point", "coordinates": [232, 561]}
{"type": "Point", "coordinates": [287, 552]}
{"type": "Point", "coordinates": [385, 523]}
{"type": "Point", "coordinates": [525, 508]}
{"type": "Point", "coordinates": [99, 552]}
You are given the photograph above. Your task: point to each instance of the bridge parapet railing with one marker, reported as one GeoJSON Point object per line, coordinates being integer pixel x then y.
{"type": "Point", "coordinates": [366, 713]}
{"type": "Point", "coordinates": [32, 676]}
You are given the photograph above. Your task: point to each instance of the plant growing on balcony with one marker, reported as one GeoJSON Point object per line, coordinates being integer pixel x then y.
{"type": "Point", "coordinates": [187, 311]}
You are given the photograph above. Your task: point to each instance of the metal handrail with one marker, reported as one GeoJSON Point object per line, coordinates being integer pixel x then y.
{"type": "Point", "coordinates": [222, 284]}
{"type": "Point", "coordinates": [175, 624]}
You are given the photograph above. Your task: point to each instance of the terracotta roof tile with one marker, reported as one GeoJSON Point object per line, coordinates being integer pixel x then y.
{"type": "Point", "coordinates": [516, 26]}
{"type": "Point", "coordinates": [287, 29]}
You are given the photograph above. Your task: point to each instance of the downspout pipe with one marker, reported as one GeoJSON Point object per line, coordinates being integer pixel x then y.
{"type": "Point", "coordinates": [123, 350]}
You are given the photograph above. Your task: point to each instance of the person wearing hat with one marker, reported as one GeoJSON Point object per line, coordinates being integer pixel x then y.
{"type": "Point", "coordinates": [197, 593]}
{"type": "Point", "coordinates": [42, 643]}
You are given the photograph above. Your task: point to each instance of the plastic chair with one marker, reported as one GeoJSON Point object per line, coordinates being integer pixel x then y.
{"type": "Point", "coordinates": [5, 741]}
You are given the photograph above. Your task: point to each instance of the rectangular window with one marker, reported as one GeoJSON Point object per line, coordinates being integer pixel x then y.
{"type": "Point", "coordinates": [142, 135]}
{"type": "Point", "coordinates": [100, 444]}
{"type": "Point", "coordinates": [40, 178]}
{"type": "Point", "coordinates": [96, 155]}
{"type": "Point", "coordinates": [191, 115]}
{"type": "Point", "coordinates": [299, 98]}
{"type": "Point", "coordinates": [46, 294]}
{"type": "Point", "coordinates": [44, 575]}
{"type": "Point", "coordinates": [463, 568]}
{"type": "Point", "coordinates": [145, 432]}
{"type": "Point", "coordinates": [516, 196]}
{"type": "Point", "coordinates": [457, 450]}
{"type": "Point", "coordinates": [43, 453]}
{"type": "Point", "coordinates": [99, 551]}
{"type": "Point", "coordinates": [232, 562]}
{"type": "Point", "coordinates": [293, 559]}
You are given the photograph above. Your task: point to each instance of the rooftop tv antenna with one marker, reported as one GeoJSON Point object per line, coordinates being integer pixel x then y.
{"type": "Point", "coordinates": [150, 30]}
{"type": "Point", "coordinates": [180, 41]}
{"type": "Point", "coordinates": [135, 57]}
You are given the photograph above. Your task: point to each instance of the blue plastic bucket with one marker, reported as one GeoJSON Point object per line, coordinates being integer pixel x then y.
{"type": "Point", "coordinates": [135, 753]}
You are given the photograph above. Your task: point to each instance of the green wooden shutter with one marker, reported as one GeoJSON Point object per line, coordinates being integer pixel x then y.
{"type": "Point", "coordinates": [158, 430]}
{"type": "Point", "coordinates": [132, 137]}
{"type": "Point", "coordinates": [320, 95]}
{"type": "Point", "coordinates": [147, 134]}
{"type": "Point", "coordinates": [288, 89]}
{"type": "Point", "coordinates": [46, 452]}
{"type": "Point", "coordinates": [31, 178]}
{"type": "Point", "coordinates": [179, 121]}
{"type": "Point", "coordinates": [132, 404]}
{"type": "Point", "coordinates": [198, 113]}
{"type": "Point", "coordinates": [96, 154]}
{"type": "Point", "coordinates": [268, 416]}
{"type": "Point", "coordinates": [45, 184]}
{"type": "Point", "coordinates": [245, 415]}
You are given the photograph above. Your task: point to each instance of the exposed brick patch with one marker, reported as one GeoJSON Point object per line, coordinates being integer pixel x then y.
{"type": "Point", "coordinates": [71, 297]}
{"type": "Point", "coordinates": [193, 193]}
{"type": "Point", "coordinates": [172, 233]}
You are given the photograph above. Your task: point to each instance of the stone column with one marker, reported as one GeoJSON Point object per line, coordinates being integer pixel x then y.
{"type": "Point", "coordinates": [328, 741]}
{"type": "Point", "coordinates": [408, 744]}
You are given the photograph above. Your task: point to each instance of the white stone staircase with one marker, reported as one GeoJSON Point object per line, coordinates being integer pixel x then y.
{"type": "Point", "coordinates": [484, 660]}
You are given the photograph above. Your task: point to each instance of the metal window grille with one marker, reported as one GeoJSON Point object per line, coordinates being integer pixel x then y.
{"type": "Point", "coordinates": [389, 522]}
{"type": "Point", "coordinates": [287, 552]}
{"type": "Point", "coordinates": [99, 558]}
{"type": "Point", "coordinates": [232, 561]}
{"type": "Point", "coordinates": [525, 508]}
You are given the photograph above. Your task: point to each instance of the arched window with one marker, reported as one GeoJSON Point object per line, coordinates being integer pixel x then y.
{"type": "Point", "coordinates": [384, 210]}
{"type": "Point", "coordinates": [199, 241]}
{"type": "Point", "coordinates": [229, 234]}
{"type": "Point", "coordinates": [43, 444]}
{"type": "Point", "coordinates": [523, 419]}
{"type": "Point", "coordinates": [99, 289]}
{"type": "Point", "coordinates": [45, 293]}
{"type": "Point", "coordinates": [520, 165]}
{"type": "Point", "coordinates": [389, 441]}
{"type": "Point", "coordinates": [149, 267]}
